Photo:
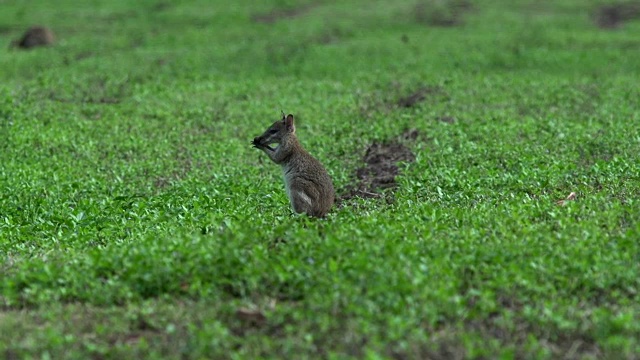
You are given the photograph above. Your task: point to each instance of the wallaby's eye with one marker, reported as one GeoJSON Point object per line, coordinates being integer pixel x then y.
{"type": "Point", "coordinates": [273, 131]}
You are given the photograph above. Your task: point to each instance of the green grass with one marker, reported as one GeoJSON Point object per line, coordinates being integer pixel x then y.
{"type": "Point", "coordinates": [136, 221]}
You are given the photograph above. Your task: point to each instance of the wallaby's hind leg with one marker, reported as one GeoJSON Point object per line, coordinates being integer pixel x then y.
{"type": "Point", "coordinates": [303, 201]}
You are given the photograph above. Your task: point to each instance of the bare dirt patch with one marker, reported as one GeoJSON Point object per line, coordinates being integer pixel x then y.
{"type": "Point", "coordinates": [398, 95]}
{"type": "Point", "coordinates": [332, 36]}
{"type": "Point", "coordinates": [381, 166]}
{"type": "Point", "coordinates": [283, 14]}
{"type": "Point", "coordinates": [161, 6]}
{"type": "Point", "coordinates": [441, 13]}
{"type": "Point", "coordinates": [612, 16]}
{"type": "Point", "coordinates": [411, 96]}
{"type": "Point", "coordinates": [417, 96]}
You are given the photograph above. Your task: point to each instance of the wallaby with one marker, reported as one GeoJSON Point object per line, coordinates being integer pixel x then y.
{"type": "Point", "coordinates": [308, 184]}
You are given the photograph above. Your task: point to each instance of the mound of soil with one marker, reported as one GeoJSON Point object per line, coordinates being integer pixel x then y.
{"type": "Point", "coordinates": [35, 36]}
{"type": "Point", "coordinates": [381, 166]}
{"type": "Point", "coordinates": [614, 15]}
{"type": "Point", "coordinates": [417, 96]}
{"type": "Point", "coordinates": [281, 14]}
{"type": "Point", "coordinates": [441, 13]}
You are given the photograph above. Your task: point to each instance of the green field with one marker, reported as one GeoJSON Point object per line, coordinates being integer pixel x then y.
{"type": "Point", "coordinates": [136, 220]}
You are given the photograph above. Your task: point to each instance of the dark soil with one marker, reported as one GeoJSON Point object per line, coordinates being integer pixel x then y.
{"type": "Point", "coordinates": [397, 95]}
{"type": "Point", "coordinates": [35, 36]}
{"type": "Point", "coordinates": [441, 13]}
{"type": "Point", "coordinates": [282, 14]}
{"type": "Point", "coordinates": [410, 135]}
{"type": "Point", "coordinates": [161, 6]}
{"type": "Point", "coordinates": [614, 15]}
{"type": "Point", "coordinates": [381, 166]}
{"type": "Point", "coordinates": [331, 36]}
{"type": "Point", "coordinates": [417, 96]}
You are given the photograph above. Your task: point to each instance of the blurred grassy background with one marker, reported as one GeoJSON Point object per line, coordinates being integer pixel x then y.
{"type": "Point", "coordinates": [136, 220]}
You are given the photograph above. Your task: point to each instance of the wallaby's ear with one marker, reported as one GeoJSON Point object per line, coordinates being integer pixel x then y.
{"type": "Point", "coordinates": [288, 122]}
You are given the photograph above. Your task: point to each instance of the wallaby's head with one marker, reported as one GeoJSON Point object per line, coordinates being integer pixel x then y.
{"type": "Point", "coordinates": [275, 134]}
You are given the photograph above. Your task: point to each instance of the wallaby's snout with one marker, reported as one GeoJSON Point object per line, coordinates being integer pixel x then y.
{"type": "Point", "coordinates": [275, 134]}
{"type": "Point", "coordinates": [260, 143]}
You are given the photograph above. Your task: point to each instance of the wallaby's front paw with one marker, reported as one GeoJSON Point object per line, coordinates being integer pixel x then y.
{"type": "Point", "coordinates": [260, 144]}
